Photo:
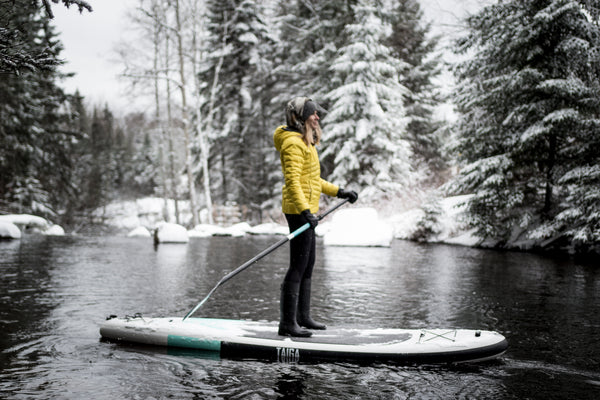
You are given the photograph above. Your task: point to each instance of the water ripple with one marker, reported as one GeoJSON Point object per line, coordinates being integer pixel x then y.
{"type": "Point", "coordinates": [55, 291]}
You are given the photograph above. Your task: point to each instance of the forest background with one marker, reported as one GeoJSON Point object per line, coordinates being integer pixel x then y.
{"type": "Point", "coordinates": [525, 145]}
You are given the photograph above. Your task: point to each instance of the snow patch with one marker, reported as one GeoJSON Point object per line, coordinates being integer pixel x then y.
{"type": "Point", "coordinates": [203, 230]}
{"type": "Point", "coordinates": [405, 224]}
{"type": "Point", "coordinates": [206, 230]}
{"type": "Point", "coordinates": [449, 224]}
{"type": "Point", "coordinates": [31, 223]}
{"type": "Point", "coordinates": [171, 233]}
{"type": "Point", "coordinates": [140, 231]}
{"type": "Point", "coordinates": [358, 227]}
{"type": "Point", "coordinates": [8, 230]}
{"type": "Point", "coordinates": [237, 230]}
{"type": "Point", "coordinates": [467, 238]}
{"type": "Point", "coordinates": [26, 220]}
{"type": "Point", "coordinates": [269, 229]}
{"type": "Point", "coordinates": [54, 230]}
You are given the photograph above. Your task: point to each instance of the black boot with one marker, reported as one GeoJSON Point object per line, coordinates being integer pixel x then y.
{"type": "Point", "coordinates": [304, 318]}
{"type": "Point", "coordinates": [288, 306]}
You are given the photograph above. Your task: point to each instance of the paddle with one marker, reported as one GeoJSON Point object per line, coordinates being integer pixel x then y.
{"type": "Point", "coordinates": [262, 254]}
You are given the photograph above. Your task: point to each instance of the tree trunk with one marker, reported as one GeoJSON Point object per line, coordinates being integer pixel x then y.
{"type": "Point", "coordinates": [184, 116]}
{"type": "Point", "coordinates": [163, 162]}
{"type": "Point", "coordinates": [172, 173]}
{"type": "Point", "coordinates": [202, 133]}
{"type": "Point", "coordinates": [549, 178]}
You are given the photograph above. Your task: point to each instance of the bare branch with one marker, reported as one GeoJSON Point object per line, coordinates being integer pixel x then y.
{"type": "Point", "coordinates": [155, 18]}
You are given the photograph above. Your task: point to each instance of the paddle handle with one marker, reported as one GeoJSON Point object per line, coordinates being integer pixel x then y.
{"type": "Point", "coordinates": [263, 254]}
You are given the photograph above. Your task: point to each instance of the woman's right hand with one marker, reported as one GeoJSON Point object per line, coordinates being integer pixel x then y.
{"type": "Point", "coordinates": [310, 218]}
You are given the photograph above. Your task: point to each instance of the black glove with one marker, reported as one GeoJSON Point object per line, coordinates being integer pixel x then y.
{"type": "Point", "coordinates": [350, 195]}
{"type": "Point", "coordinates": [310, 218]}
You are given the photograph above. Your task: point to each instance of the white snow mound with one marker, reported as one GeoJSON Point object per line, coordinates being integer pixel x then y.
{"type": "Point", "coordinates": [54, 230]}
{"type": "Point", "coordinates": [26, 220]}
{"type": "Point", "coordinates": [269, 228]}
{"type": "Point", "coordinates": [8, 230]}
{"type": "Point", "coordinates": [172, 233]}
{"type": "Point", "coordinates": [206, 230]}
{"type": "Point", "coordinates": [140, 231]}
{"type": "Point", "coordinates": [358, 227]}
{"type": "Point", "coordinates": [203, 230]}
{"type": "Point", "coordinates": [31, 224]}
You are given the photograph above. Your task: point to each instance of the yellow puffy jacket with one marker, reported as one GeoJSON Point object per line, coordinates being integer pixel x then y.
{"type": "Point", "coordinates": [301, 172]}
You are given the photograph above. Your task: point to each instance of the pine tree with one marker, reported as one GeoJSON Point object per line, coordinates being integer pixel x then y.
{"type": "Point", "coordinates": [96, 191]}
{"type": "Point", "coordinates": [310, 33]}
{"type": "Point", "coordinates": [529, 137]}
{"type": "Point", "coordinates": [410, 42]}
{"type": "Point", "coordinates": [35, 141]}
{"type": "Point", "coordinates": [239, 43]}
{"type": "Point", "coordinates": [366, 124]}
{"type": "Point", "coordinates": [81, 126]}
{"type": "Point", "coordinates": [139, 156]}
{"type": "Point", "coordinates": [81, 5]}
{"type": "Point", "coordinates": [17, 53]}
{"type": "Point", "coordinates": [143, 174]}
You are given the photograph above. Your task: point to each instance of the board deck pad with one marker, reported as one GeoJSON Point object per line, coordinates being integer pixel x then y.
{"type": "Point", "coordinates": [260, 340]}
{"type": "Point", "coordinates": [337, 336]}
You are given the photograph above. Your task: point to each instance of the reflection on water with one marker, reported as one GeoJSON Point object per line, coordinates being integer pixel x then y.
{"type": "Point", "coordinates": [56, 291]}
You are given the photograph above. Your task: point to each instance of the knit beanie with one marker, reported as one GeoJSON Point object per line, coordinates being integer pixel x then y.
{"type": "Point", "coordinates": [299, 109]}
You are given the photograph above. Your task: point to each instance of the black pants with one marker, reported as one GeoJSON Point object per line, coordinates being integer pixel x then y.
{"type": "Point", "coordinates": [302, 250]}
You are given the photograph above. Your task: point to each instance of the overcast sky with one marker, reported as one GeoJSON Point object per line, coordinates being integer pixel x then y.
{"type": "Point", "coordinates": [90, 40]}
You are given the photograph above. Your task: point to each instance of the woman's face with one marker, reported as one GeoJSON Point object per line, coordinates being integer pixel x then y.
{"type": "Point", "coordinates": [313, 121]}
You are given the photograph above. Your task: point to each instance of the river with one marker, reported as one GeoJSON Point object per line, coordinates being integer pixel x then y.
{"type": "Point", "coordinates": [55, 291]}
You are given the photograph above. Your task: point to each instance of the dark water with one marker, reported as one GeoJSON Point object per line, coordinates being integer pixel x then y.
{"type": "Point", "coordinates": [56, 291]}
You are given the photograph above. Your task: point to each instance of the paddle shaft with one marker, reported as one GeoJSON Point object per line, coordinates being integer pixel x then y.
{"type": "Point", "coordinates": [262, 254]}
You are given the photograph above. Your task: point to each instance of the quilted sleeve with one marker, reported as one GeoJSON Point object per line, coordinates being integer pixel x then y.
{"type": "Point", "coordinates": [329, 188]}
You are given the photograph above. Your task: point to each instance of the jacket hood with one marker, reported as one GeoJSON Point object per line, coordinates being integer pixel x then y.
{"type": "Point", "coordinates": [281, 134]}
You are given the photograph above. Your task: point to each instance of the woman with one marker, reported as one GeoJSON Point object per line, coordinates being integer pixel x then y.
{"type": "Point", "coordinates": [296, 143]}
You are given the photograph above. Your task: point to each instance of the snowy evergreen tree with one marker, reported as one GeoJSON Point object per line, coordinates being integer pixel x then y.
{"type": "Point", "coordinates": [35, 140]}
{"type": "Point", "coordinates": [367, 121]}
{"type": "Point", "coordinates": [139, 156]}
{"type": "Point", "coordinates": [80, 124]}
{"type": "Point", "coordinates": [310, 33]}
{"type": "Point", "coordinates": [116, 160]}
{"type": "Point", "coordinates": [239, 43]}
{"type": "Point", "coordinates": [530, 133]}
{"type": "Point", "coordinates": [99, 177]}
{"type": "Point", "coordinates": [80, 4]}
{"type": "Point", "coordinates": [410, 42]}
{"type": "Point", "coordinates": [17, 53]}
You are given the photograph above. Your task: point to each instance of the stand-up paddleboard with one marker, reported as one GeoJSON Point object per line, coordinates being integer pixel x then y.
{"type": "Point", "coordinates": [259, 340]}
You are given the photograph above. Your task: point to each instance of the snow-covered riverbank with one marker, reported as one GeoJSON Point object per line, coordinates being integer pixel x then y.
{"type": "Point", "coordinates": [13, 225]}
{"type": "Point", "coordinates": [349, 226]}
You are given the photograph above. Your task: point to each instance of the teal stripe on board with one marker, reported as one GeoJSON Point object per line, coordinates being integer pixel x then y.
{"type": "Point", "coordinates": [193, 343]}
